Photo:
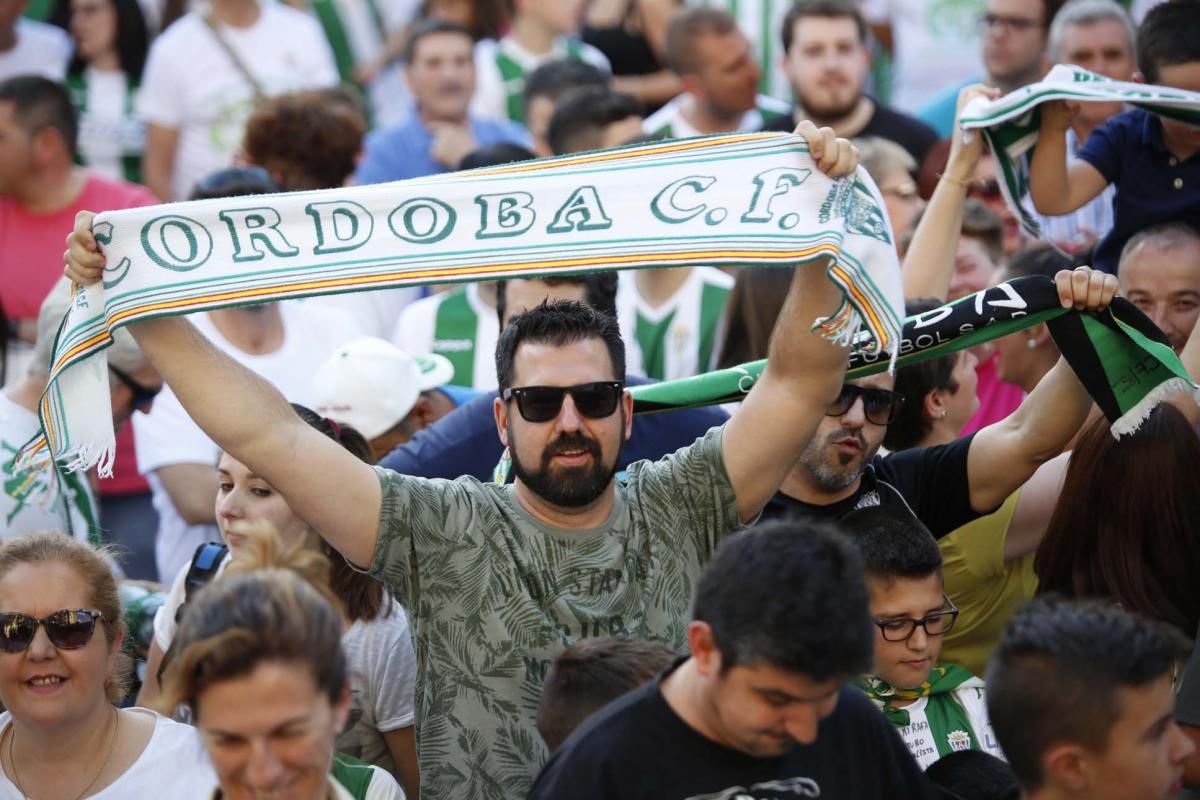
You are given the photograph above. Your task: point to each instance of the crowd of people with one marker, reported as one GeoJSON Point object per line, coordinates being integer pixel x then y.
{"type": "Point", "coordinates": [415, 541]}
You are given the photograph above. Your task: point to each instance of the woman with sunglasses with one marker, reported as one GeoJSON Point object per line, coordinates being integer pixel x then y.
{"type": "Point", "coordinates": [61, 670]}
{"type": "Point", "coordinates": [262, 670]}
{"type": "Point", "coordinates": [376, 641]}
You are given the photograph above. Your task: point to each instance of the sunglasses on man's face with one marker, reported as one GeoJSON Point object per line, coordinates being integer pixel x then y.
{"type": "Point", "coordinates": [543, 403]}
{"type": "Point", "coordinates": [143, 396]}
{"type": "Point", "coordinates": [984, 189]}
{"type": "Point", "coordinates": [880, 406]}
{"type": "Point", "coordinates": [68, 629]}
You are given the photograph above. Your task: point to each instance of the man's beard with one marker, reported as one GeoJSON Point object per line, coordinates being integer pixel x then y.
{"type": "Point", "coordinates": [827, 112]}
{"type": "Point", "coordinates": [836, 473]}
{"type": "Point", "coordinates": [569, 487]}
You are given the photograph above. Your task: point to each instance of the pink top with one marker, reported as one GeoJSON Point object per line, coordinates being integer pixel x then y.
{"type": "Point", "coordinates": [32, 245]}
{"type": "Point", "coordinates": [997, 399]}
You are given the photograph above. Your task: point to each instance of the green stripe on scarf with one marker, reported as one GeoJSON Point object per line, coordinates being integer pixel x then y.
{"type": "Point", "coordinates": [1124, 361]}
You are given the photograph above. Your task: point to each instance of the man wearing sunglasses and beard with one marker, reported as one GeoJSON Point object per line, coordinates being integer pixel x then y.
{"type": "Point", "coordinates": [945, 486]}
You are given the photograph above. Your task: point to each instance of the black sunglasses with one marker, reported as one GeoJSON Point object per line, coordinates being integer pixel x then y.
{"type": "Point", "coordinates": [984, 189]}
{"type": "Point", "coordinates": [68, 629]}
{"type": "Point", "coordinates": [881, 407]}
{"type": "Point", "coordinates": [939, 623]}
{"type": "Point", "coordinates": [543, 403]}
{"type": "Point", "coordinates": [143, 395]}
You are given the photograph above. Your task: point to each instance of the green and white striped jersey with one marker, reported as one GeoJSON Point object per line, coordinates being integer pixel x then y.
{"type": "Point", "coordinates": [680, 338]}
{"type": "Point", "coordinates": [458, 325]}
{"type": "Point", "coordinates": [501, 67]}
{"type": "Point", "coordinates": [669, 123]}
{"type": "Point", "coordinates": [761, 21]}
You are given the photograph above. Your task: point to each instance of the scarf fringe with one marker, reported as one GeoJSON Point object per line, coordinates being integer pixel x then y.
{"type": "Point", "coordinates": [1132, 419]}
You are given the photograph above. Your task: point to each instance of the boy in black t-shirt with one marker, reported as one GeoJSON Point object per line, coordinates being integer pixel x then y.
{"type": "Point", "coordinates": [760, 710]}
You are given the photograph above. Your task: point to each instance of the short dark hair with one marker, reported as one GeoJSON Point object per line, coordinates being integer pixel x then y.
{"type": "Point", "coordinates": [40, 103]}
{"type": "Point", "coordinates": [1038, 259]}
{"type": "Point", "coordinates": [589, 675]}
{"type": "Point", "coordinates": [821, 8]}
{"type": "Point", "coordinates": [1056, 674]}
{"type": "Point", "coordinates": [494, 155]}
{"type": "Point", "coordinates": [580, 117]}
{"type": "Point", "coordinates": [915, 382]}
{"type": "Point", "coordinates": [1167, 37]}
{"type": "Point", "coordinates": [788, 593]}
{"type": "Point", "coordinates": [559, 323]}
{"type": "Point", "coordinates": [428, 26]}
{"type": "Point", "coordinates": [973, 775]}
{"type": "Point", "coordinates": [599, 291]}
{"type": "Point", "coordinates": [893, 543]}
{"type": "Point", "coordinates": [686, 25]}
{"type": "Point", "coordinates": [555, 79]}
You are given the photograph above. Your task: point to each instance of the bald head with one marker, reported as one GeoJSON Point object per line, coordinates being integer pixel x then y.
{"type": "Point", "coordinates": [1159, 272]}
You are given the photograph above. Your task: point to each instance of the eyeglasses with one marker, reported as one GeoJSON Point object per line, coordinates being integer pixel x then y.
{"type": "Point", "coordinates": [936, 624]}
{"type": "Point", "coordinates": [881, 407]}
{"type": "Point", "coordinates": [543, 403]}
{"type": "Point", "coordinates": [998, 23]}
{"type": "Point", "coordinates": [984, 189]}
{"type": "Point", "coordinates": [69, 629]}
{"type": "Point", "coordinates": [143, 396]}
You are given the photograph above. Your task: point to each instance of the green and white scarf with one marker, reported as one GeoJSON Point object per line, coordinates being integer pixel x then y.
{"type": "Point", "coordinates": [742, 199]}
{"type": "Point", "coordinates": [943, 712]}
{"type": "Point", "coordinates": [1009, 125]}
{"type": "Point", "coordinates": [1121, 358]}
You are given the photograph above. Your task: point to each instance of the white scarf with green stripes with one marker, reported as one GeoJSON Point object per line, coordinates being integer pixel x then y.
{"type": "Point", "coordinates": [743, 199]}
{"type": "Point", "coordinates": [1009, 124]}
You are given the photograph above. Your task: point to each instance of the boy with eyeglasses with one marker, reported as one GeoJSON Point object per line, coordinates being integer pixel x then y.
{"type": "Point", "coordinates": [938, 708]}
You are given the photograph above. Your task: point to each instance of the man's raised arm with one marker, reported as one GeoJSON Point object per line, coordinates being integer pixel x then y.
{"type": "Point", "coordinates": [804, 371]}
{"type": "Point", "coordinates": [247, 417]}
{"type": "Point", "coordinates": [1005, 455]}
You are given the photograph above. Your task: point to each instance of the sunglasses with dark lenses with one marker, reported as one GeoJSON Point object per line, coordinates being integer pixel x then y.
{"type": "Point", "coordinates": [542, 403]}
{"type": "Point", "coordinates": [143, 395]}
{"type": "Point", "coordinates": [881, 407]}
{"type": "Point", "coordinates": [68, 629]}
{"type": "Point", "coordinates": [984, 189]}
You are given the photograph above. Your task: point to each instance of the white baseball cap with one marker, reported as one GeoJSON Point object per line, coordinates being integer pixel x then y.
{"type": "Point", "coordinates": [371, 384]}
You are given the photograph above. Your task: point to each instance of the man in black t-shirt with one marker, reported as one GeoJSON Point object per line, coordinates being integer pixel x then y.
{"type": "Point", "coordinates": [827, 61]}
{"type": "Point", "coordinates": [760, 709]}
{"type": "Point", "coordinates": [946, 486]}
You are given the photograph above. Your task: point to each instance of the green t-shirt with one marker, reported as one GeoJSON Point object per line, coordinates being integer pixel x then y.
{"type": "Point", "coordinates": [497, 595]}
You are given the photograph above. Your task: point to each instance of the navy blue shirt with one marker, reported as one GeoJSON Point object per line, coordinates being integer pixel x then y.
{"type": "Point", "coordinates": [403, 151]}
{"type": "Point", "coordinates": [1153, 185]}
{"type": "Point", "coordinates": [464, 442]}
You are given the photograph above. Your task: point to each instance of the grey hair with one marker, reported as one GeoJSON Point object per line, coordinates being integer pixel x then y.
{"type": "Point", "coordinates": [1168, 236]}
{"type": "Point", "coordinates": [1084, 12]}
{"type": "Point", "coordinates": [124, 354]}
{"type": "Point", "coordinates": [880, 156]}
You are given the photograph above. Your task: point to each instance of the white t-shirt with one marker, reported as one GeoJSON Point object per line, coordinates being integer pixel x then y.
{"type": "Point", "coordinates": [382, 667]}
{"type": "Point", "coordinates": [458, 325]}
{"type": "Point", "coordinates": [33, 501]}
{"type": "Point", "coordinates": [167, 435]}
{"type": "Point", "coordinates": [41, 49]}
{"type": "Point", "coordinates": [173, 765]}
{"type": "Point", "coordinates": [376, 311]}
{"type": "Point", "coordinates": [383, 673]}
{"type": "Point", "coordinates": [492, 93]}
{"type": "Point", "coordinates": [919, 736]}
{"type": "Point", "coordinates": [669, 120]}
{"type": "Point", "coordinates": [680, 338]}
{"type": "Point", "coordinates": [934, 43]}
{"type": "Point", "coordinates": [192, 86]}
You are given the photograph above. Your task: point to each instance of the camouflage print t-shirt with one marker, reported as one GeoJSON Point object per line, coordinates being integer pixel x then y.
{"type": "Point", "coordinates": [496, 595]}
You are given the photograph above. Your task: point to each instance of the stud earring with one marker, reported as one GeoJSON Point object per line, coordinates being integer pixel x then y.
{"type": "Point", "coordinates": [1031, 344]}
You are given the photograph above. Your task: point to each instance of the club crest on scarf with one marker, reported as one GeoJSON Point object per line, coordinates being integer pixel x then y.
{"type": "Point", "coordinates": [853, 201]}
